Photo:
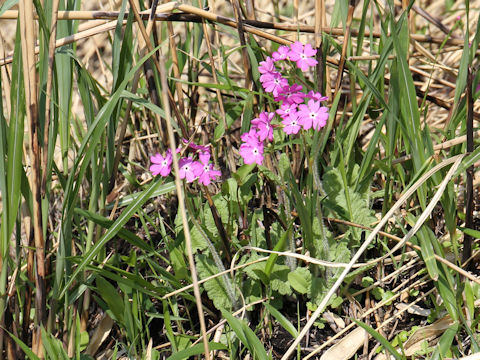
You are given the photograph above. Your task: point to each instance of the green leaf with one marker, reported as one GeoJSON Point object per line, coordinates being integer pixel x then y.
{"type": "Point", "coordinates": [195, 350]}
{"type": "Point", "coordinates": [111, 297]}
{"type": "Point", "coordinates": [112, 231]}
{"type": "Point", "coordinates": [123, 233]}
{"type": "Point", "coordinates": [246, 336]}
{"type": "Point", "coordinates": [300, 279]}
{"type": "Point", "coordinates": [428, 253]}
{"type": "Point", "coordinates": [8, 4]}
{"type": "Point", "coordinates": [241, 174]}
{"type": "Point", "coordinates": [445, 342]}
{"type": "Point", "coordinates": [279, 246]}
{"type": "Point", "coordinates": [128, 199]}
{"type": "Point", "coordinates": [385, 343]}
{"type": "Point", "coordinates": [471, 232]}
{"type": "Point", "coordinates": [282, 320]}
{"type": "Point", "coordinates": [216, 289]}
{"type": "Point", "coordinates": [26, 349]}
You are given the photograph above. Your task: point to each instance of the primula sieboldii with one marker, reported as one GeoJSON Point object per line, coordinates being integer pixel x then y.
{"type": "Point", "coordinates": [281, 54]}
{"type": "Point", "coordinates": [312, 115]}
{"type": "Point", "coordinates": [263, 127]}
{"type": "Point", "coordinates": [302, 55]}
{"type": "Point", "coordinates": [161, 165]}
{"type": "Point", "coordinates": [274, 82]}
{"type": "Point", "coordinates": [189, 168]}
{"type": "Point", "coordinates": [252, 151]}
{"type": "Point", "coordinates": [206, 173]}
{"type": "Point", "coordinates": [291, 124]}
{"type": "Point", "coordinates": [298, 110]}
{"type": "Point", "coordinates": [291, 94]}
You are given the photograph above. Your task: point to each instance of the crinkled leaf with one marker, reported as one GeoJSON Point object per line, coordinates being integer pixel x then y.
{"type": "Point", "coordinates": [216, 289]}
{"type": "Point", "coordinates": [300, 280]}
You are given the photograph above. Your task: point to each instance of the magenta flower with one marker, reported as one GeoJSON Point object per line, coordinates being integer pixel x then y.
{"type": "Point", "coordinates": [302, 55]}
{"type": "Point", "coordinates": [316, 96]}
{"type": "Point", "coordinates": [250, 136]}
{"type": "Point", "coordinates": [188, 169]}
{"type": "Point", "coordinates": [161, 165]}
{"type": "Point", "coordinates": [313, 115]}
{"type": "Point", "coordinates": [273, 82]}
{"type": "Point", "coordinates": [286, 109]}
{"type": "Point", "coordinates": [195, 146]}
{"type": "Point", "coordinates": [291, 124]}
{"type": "Point", "coordinates": [262, 126]}
{"type": "Point", "coordinates": [281, 53]}
{"type": "Point", "coordinates": [291, 94]}
{"type": "Point", "coordinates": [206, 173]}
{"type": "Point", "coordinates": [252, 151]}
{"type": "Point", "coordinates": [267, 66]}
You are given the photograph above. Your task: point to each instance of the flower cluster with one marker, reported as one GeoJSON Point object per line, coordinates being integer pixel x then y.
{"type": "Point", "coordinates": [189, 168]}
{"type": "Point", "coordinates": [297, 109]}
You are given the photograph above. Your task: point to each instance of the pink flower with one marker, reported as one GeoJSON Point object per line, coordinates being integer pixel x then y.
{"type": "Point", "coordinates": [195, 146]}
{"type": "Point", "coordinates": [291, 124]}
{"type": "Point", "coordinates": [263, 127]}
{"type": "Point", "coordinates": [291, 94]}
{"type": "Point", "coordinates": [252, 151]}
{"type": "Point", "coordinates": [250, 136]}
{"type": "Point", "coordinates": [281, 53]}
{"type": "Point", "coordinates": [313, 115]}
{"type": "Point", "coordinates": [206, 173]}
{"type": "Point", "coordinates": [302, 55]}
{"type": "Point", "coordinates": [316, 96]}
{"type": "Point", "coordinates": [188, 169]}
{"type": "Point", "coordinates": [273, 82]}
{"type": "Point", "coordinates": [287, 109]}
{"type": "Point", "coordinates": [267, 66]}
{"type": "Point", "coordinates": [161, 165]}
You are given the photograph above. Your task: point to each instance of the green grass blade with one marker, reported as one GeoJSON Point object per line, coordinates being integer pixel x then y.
{"type": "Point", "coordinates": [195, 350]}
{"type": "Point", "coordinates": [114, 229]}
{"type": "Point", "coordinates": [28, 352]}
{"type": "Point", "coordinates": [282, 320]}
{"type": "Point", "coordinates": [384, 342]}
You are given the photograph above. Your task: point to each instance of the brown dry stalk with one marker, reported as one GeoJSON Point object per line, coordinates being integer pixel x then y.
{"type": "Point", "coordinates": [27, 33]}
{"type": "Point", "coordinates": [341, 65]}
{"type": "Point", "coordinates": [230, 158]}
{"type": "Point", "coordinates": [198, 14]}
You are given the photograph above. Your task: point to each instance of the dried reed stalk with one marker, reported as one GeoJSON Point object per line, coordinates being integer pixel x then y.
{"type": "Point", "coordinates": [27, 33]}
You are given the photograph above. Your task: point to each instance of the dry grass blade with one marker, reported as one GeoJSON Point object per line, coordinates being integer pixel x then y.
{"type": "Point", "coordinates": [456, 160]}
{"type": "Point", "coordinates": [99, 335]}
{"type": "Point", "coordinates": [48, 115]}
{"type": "Point", "coordinates": [29, 75]}
{"type": "Point", "coordinates": [188, 9]}
{"type": "Point", "coordinates": [346, 347]}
